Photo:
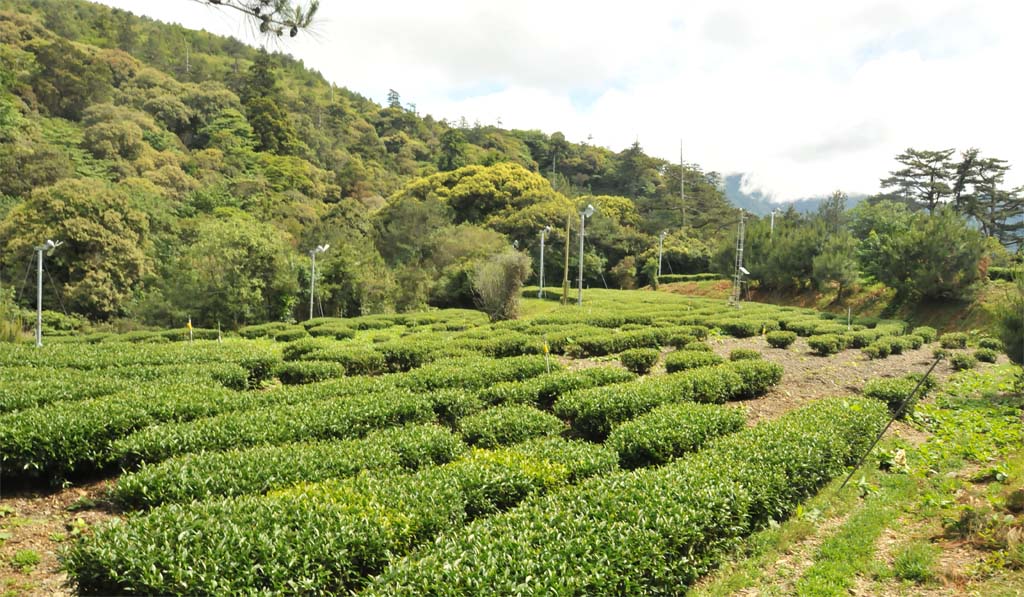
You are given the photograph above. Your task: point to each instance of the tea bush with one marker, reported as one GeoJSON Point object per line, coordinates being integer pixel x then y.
{"type": "Point", "coordinates": [639, 360]}
{"type": "Point", "coordinates": [669, 431]}
{"type": "Point", "coordinates": [690, 359]}
{"type": "Point", "coordinates": [780, 339]}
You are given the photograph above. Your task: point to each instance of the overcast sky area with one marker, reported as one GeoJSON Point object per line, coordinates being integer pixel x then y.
{"type": "Point", "coordinates": [804, 97]}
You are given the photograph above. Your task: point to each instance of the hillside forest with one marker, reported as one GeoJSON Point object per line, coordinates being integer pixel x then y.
{"type": "Point", "coordinates": [190, 175]}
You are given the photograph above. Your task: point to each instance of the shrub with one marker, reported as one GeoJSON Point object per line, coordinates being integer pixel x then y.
{"type": "Point", "coordinates": [301, 372]}
{"type": "Point", "coordinates": [355, 361]}
{"type": "Point", "coordinates": [878, 349]}
{"type": "Point", "coordinates": [826, 344]}
{"type": "Point", "coordinates": [758, 377]}
{"type": "Point", "coordinates": [698, 346]}
{"type": "Point", "coordinates": [702, 505]}
{"type": "Point", "coordinates": [741, 328]}
{"type": "Point", "coordinates": [543, 390]}
{"type": "Point", "coordinates": [939, 352]}
{"type": "Point", "coordinates": [990, 344]}
{"type": "Point", "coordinates": [862, 338]}
{"type": "Point", "coordinates": [670, 431]}
{"type": "Point", "coordinates": [741, 354]}
{"type": "Point", "coordinates": [894, 390]}
{"type": "Point", "coordinates": [509, 424]}
{"type": "Point", "coordinates": [953, 340]}
{"type": "Point", "coordinates": [639, 360]}
{"type": "Point", "coordinates": [679, 340]}
{"type": "Point", "coordinates": [498, 283]}
{"type": "Point", "coordinates": [690, 359]}
{"type": "Point", "coordinates": [330, 537]}
{"type": "Point", "coordinates": [986, 355]}
{"type": "Point", "coordinates": [780, 339]}
{"type": "Point", "coordinates": [926, 332]}
{"type": "Point", "coordinates": [912, 341]}
{"type": "Point", "coordinates": [963, 361]}
{"type": "Point", "coordinates": [265, 468]}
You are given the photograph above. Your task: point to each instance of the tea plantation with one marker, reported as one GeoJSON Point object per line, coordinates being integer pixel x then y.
{"type": "Point", "coordinates": [434, 453]}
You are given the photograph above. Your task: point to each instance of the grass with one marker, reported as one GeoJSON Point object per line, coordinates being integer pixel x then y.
{"type": "Point", "coordinates": [976, 432]}
{"type": "Point", "coordinates": [26, 560]}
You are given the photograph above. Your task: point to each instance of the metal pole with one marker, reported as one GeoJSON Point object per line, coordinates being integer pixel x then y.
{"type": "Point", "coordinates": [565, 269]}
{"type": "Point", "coordinates": [312, 281]}
{"type": "Point", "coordinates": [583, 223]}
{"type": "Point", "coordinates": [661, 241]}
{"type": "Point", "coordinates": [682, 186]}
{"type": "Point", "coordinates": [771, 231]}
{"type": "Point", "coordinates": [39, 298]}
{"type": "Point", "coordinates": [540, 293]}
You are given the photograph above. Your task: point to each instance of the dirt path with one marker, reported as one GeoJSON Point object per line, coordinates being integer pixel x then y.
{"type": "Point", "coordinates": [39, 522]}
{"type": "Point", "coordinates": [808, 377]}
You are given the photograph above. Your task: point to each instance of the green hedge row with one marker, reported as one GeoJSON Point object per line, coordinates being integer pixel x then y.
{"type": "Point", "coordinates": [593, 413]}
{"type": "Point", "coordinates": [672, 278]}
{"type": "Point", "coordinates": [894, 390]}
{"type": "Point", "coordinates": [258, 470]}
{"type": "Point", "coordinates": [508, 424]}
{"type": "Point", "coordinates": [62, 439]}
{"type": "Point", "coordinates": [543, 390]}
{"type": "Point", "coordinates": [321, 419]}
{"type": "Point", "coordinates": [329, 538]}
{"type": "Point", "coordinates": [681, 360]}
{"type": "Point", "coordinates": [653, 531]}
{"type": "Point", "coordinates": [669, 431]}
{"type": "Point", "coordinates": [780, 339]}
{"type": "Point", "coordinates": [639, 360]}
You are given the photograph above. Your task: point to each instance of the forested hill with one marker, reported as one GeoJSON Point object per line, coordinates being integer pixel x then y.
{"type": "Point", "coordinates": [189, 175]}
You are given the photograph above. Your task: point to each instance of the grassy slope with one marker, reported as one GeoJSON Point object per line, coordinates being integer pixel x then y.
{"type": "Point", "coordinates": [873, 300]}
{"type": "Point", "coordinates": [904, 533]}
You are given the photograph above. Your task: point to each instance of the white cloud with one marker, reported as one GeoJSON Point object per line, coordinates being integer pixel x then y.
{"type": "Point", "coordinates": [806, 97]}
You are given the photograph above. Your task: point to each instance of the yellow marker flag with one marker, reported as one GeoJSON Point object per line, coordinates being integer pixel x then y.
{"type": "Point", "coordinates": [189, 324]}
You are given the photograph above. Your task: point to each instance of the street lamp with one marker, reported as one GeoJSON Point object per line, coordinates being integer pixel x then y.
{"type": "Point", "coordinates": [49, 246]}
{"type": "Point", "coordinates": [312, 274]}
{"type": "Point", "coordinates": [543, 234]}
{"type": "Point", "coordinates": [771, 230]}
{"type": "Point", "coordinates": [586, 213]}
{"type": "Point", "coordinates": [661, 242]}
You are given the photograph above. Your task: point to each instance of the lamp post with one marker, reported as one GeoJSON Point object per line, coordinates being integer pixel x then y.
{"type": "Point", "coordinates": [312, 274]}
{"type": "Point", "coordinates": [543, 234]}
{"type": "Point", "coordinates": [586, 213]}
{"type": "Point", "coordinates": [48, 246]}
{"type": "Point", "coordinates": [771, 229]}
{"type": "Point", "coordinates": [661, 242]}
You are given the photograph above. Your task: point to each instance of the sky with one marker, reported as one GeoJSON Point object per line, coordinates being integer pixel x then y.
{"type": "Point", "coordinates": [802, 97]}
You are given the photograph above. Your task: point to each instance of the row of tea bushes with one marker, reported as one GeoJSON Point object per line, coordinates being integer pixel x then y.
{"type": "Point", "coordinates": [593, 413]}
{"type": "Point", "coordinates": [66, 438]}
{"type": "Point", "coordinates": [206, 475]}
{"type": "Point", "coordinates": [670, 431]}
{"type": "Point", "coordinates": [319, 414]}
{"type": "Point", "coordinates": [508, 424]}
{"type": "Point", "coordinates": [543, 390]}
{"type": "Point", "coordinates": [329, 538]}
{"type": "Point", "coordinates": [652, 531]}
{"type": "Point", "coordinates": [894, 391]}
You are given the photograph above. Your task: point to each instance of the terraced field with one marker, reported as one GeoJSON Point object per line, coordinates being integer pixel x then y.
{"type": "Point", "coordinates": [438, 453]}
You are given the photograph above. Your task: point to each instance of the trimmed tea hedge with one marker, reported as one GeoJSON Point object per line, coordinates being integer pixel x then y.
{"type": "Point", "coordinates": [927, 333]}
{"type": "Point", "coordinates": [894, 390]}
{"type": "Point", "coordinates": [593, 413]}
{"type": "Point", "coordinates": [639, 360]}
{"type": "Point", "coordinates": [543, 390]}
{"type": "Point", "coordinates": [780, 339]}
{"type": "Point", "coordinates": [680, 360]}
{"type": "Point", "coordinates": [669, 431]}
{"type": "Point", "coordinates": [508, 424]}
{"type": "Point", "coordinates": [258, 470]}
{"type": "Point", "coordinates": [963, 361]}
{"type": "Point", "coordinates": [953, 340]}
{"type": "Point", "coordinates": [321, 419]}
{"type": "Point", "coordinates": [648, 532]}
{"type": "Point", "coordinates": [329, 538]}
{"type": "Point", "coordinates": [986, 355]}
{"type": "Point", "coordinates": [826, 344]}
{"type": "Point", "coordinates": [744, 354]}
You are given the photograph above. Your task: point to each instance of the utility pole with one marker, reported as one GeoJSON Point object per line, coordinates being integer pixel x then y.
{"type": "Point", "coordinates": [771, 230]}
{"type": "Point", "coordinates": [661, 242]}
{"type": "Point", "coordinates": [543, 233]}
{"type": "Point", "coordinates": [682, 186]}
{"type": "Point", "coordinates": [49, 246]}
{"type": "Point", "coordinates": [565, 270]}
{"type": "Point", "coordinates": [737, 280]}
{"type": "Point", "coordinates": [312, 274]}
{"type": "Point", "coordinates": [586, 213]}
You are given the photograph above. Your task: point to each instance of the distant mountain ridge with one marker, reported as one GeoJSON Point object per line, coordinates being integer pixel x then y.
{"type": "Point", "coordinates": [760, 204]}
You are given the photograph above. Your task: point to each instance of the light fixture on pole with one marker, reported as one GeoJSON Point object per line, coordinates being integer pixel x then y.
{"type": "Point", "coordinates": [312, 274]}
{"type": "Point", "coordinates": [543, 234]}
{"type": "Point", "coordinates": [771, 229]}
{"type": "Point", "coordinates": [586, 213]}
{"type": "Point", "coordinates": [661, 243]}
{"type": "Point", "coordinates": [49, 246]}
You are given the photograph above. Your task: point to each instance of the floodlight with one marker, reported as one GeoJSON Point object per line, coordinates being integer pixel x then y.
{"type": "Point", "coordinates": [589, 211]}
{"type": "Point", "coordinates": [744, 270]}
